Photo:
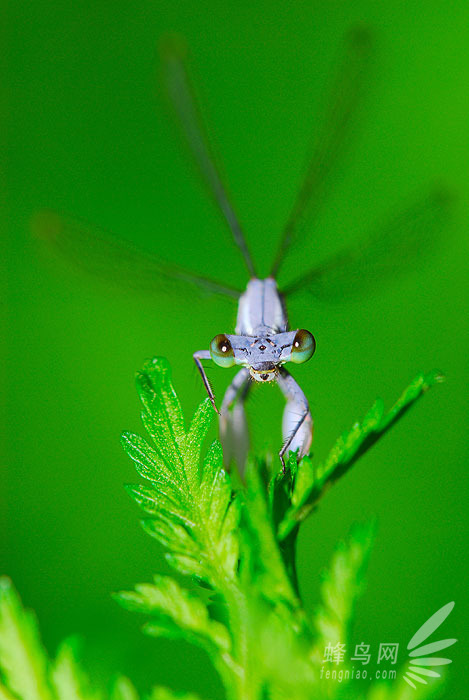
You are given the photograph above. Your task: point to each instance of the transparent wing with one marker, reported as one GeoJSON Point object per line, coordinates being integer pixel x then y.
{"type": "Point", "coordinates": [399, 245]}
{"type": "Point", "coordinates": [107, 257]}
{"type": "Point", "coordinates": [332, 138]}
{"type": "Point", "coordinates": [182, 95]}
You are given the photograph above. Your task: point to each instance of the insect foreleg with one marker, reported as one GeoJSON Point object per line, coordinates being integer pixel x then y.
{"type": "Point", "coordinates": [234, 434]}
{"type": "Point", "coordinates": [205, 355]}
{"type": "Point", "coordinates": [297, 424]}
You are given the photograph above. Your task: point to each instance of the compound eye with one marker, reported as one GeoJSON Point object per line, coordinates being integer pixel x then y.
{"type": "Point", "coordinates": [221, 351]}
{"type": "Point", "coordinates": [303, 346]}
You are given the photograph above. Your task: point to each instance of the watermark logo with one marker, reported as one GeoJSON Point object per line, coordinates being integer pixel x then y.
{"type": "Point", "coordinates": [421, 656]}
{"type": "Point", "coordinates": [420, 666]}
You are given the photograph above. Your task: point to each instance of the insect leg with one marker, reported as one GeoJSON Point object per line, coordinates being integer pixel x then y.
{"type": "Point", "coordinates": [234, 434]}
{"type": "Point", "coordinates": [205, 355]}
{"type": "Point", "coordinates": [297, 424]}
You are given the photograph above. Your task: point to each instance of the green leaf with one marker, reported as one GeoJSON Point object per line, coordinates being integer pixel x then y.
{"type": "Point", "coordinates": [311, 482]}
{"type": "Point", "coordinates": [23, 661]}
{"type": "Point", "coordinates": [194, 514]}
{"type": "Point", "coordinates": [280, 657]}
{"type": "Point", "coordinates": [162, 413]}
{"type": "Point", "coordinates": [342, 584]}
{"type": "Point", "coordinates": [5, 693]}
{"type": "Point", "coordinates": [249, 616]}
{"type": "Point", "coordinates": [399, 690]}
{"type": "Point", "coordinates": [26, 671]}
{"type": "Point", "coordinates": [148, 462]}
{"type": "Point", "coordinates": [220, 508]}
{"type": "Point", "coordinates": [123, 689]}
{"type": "Point", "coordinates": [160, 693]}
{"type": "Point", "coordinates": [68, 679]}
{"type": "Point", "coordinates": [175, 613]}
{"type": "Point", "coordinates": [266, 566]}
{"type": "Point", "coordinates": [193, 441]}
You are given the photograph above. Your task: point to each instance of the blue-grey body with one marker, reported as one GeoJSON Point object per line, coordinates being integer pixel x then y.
{"type": "Point", "coordinates": [262, 342]}
{"type": "Point", "coordinates": [261, 309]}
{"type": "Point", "coordinates": [261, 345]}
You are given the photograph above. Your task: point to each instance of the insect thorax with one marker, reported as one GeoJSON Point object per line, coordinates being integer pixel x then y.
{"type": "Point", "coordinates": [261, 310]}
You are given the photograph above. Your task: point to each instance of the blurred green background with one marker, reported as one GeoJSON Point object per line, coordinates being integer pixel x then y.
{"type": "Point", "coordinates": [87, 135]}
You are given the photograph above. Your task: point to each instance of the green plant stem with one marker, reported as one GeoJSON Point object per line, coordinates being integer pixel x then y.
{"type": "Point", "coordinates": [237, 607]}
{"type": "Point", "coordinates": [288, 551]}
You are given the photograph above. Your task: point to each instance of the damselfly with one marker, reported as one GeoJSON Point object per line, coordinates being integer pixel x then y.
{"type": "Point", "coordinates": [262, 343]}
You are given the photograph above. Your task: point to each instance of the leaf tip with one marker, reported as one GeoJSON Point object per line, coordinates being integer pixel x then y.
{"type": "Point", "coordinates": [6, 584]}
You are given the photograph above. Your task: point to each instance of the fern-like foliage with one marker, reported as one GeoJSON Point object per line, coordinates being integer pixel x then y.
{"type": "Point", "coordinates": [245, 610]}
{"type": "Point", "coordinates": [191, 506]}
{"type": "Point", "coordinates": [241, 547]}
{"type": "Point", "coordinates": [310, 482]}
{"type": "Point", "coordinates": [27, 672]}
